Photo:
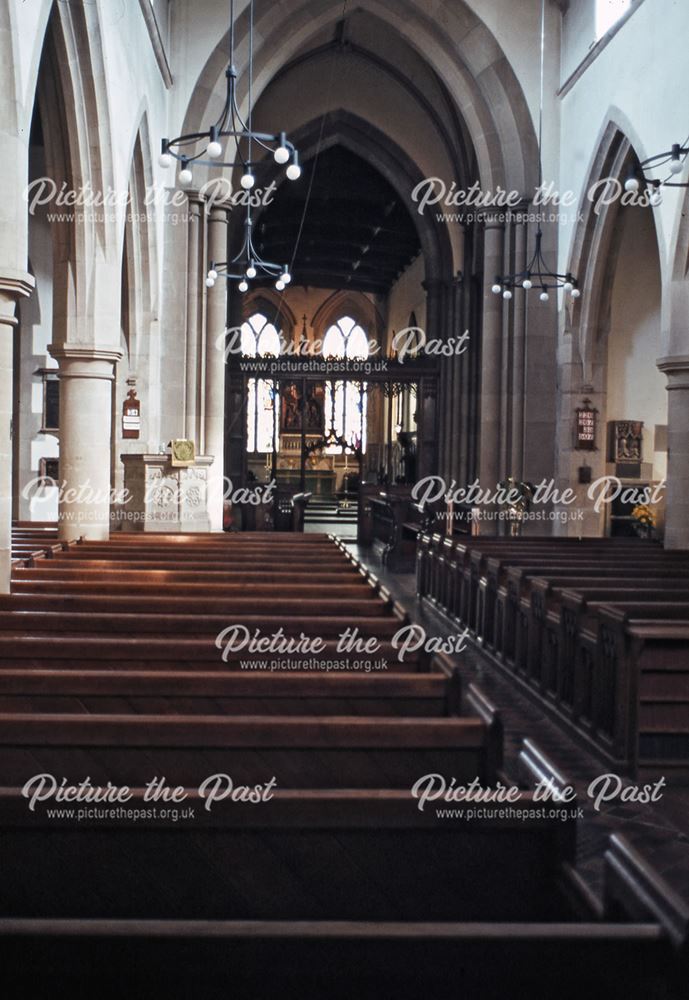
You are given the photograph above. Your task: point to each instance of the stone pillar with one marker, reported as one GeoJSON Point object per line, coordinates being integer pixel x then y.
{"type": "Point", "coordinates": [519, 359]}
{"type": "Point", "coordinates": [677, 504]}
{"type": "Point", "coordinates": [86, 376]}
{"type": "Point", "coordinates": [432, 442]}
{"type": "Point", "coordinates": [193, 340]}
{"type": "Point", "coordinates": [457, 362]}
{"type": "Point", "coordinates": [13, 285]}
{"type": "Point", "coordinates": [214, 415]}
{"type": "Point", "coordinates": [491, 359]}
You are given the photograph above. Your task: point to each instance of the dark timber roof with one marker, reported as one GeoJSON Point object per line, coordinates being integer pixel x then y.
{"type": "Point", "coordinates": [357, 232]}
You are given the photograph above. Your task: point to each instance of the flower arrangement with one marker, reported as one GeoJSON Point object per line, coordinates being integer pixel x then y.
{"type": "Point", "coordinates": [644, 520]}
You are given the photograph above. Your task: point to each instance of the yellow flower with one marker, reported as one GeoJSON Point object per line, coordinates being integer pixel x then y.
{"type": "Point", "coordinates": [644, 515]}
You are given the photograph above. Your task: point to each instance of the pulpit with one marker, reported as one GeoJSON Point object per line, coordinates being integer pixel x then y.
{"type": "Point", "coordinates": [159, 496]}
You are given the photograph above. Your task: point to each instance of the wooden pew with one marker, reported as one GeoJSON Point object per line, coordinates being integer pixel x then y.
{"type": "Point", "coordinates": [410, 960]}
{"type": "Point", "coordinates": [649, 729]}
{"type": "Point", "coordinates": [434, 549]}
{"type": "Point", "coordinates": [300, 855]}
{"type": "Point", "coordinates": [329, 605]}
{"type": "Point", "coordinates": [210, 693]}
{"type": "Point", "coordinates": [94, 651]}
{"type": "Point", "coordinates": [299, 751]}
{"type": "Point", "coordinates": [104, 623]}
{"type": "Point", "coordinates": [539, 595]}
{"type": "Point", "coordinates": [489, 624]}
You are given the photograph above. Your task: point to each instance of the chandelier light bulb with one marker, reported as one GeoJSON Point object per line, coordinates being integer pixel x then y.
{"type": "Point", "coordinates": [164, 160]}
{"type": "Point", "coordinates": [185, 176]}
{"type": "Point", "coordinates": [631, 184]}
{"type": "Point", "coordinates": [568, 286]}
{"type": "Point", "coordinates": [294, 170]}
{"type": "Point", "coordinates": [544, 297]}
{"type": "Point", "coordinates": [286, 277]}
{"type": "Point", "coordinates": [243, 285]}
{"type": "Point", "coordinates": [247, 180]}
{"type": "Point", "coordinates": [251, 271]}
{"type": "Point", "coordinates": [496, 289]}
{"type": "Point", "coordinates": [279, 284]}
{"type": "Point", "coordinates": [507, 294]}
{"type": "Point", "coordinates": [213, 273]}
{"type": "Point", "coordinates": [576, 293]}
{"type": "Point", "coordinates": [281, 155]}
{"type": "Point", "coordinates": [676, 165]}
{"type": "Point", "coordinates": [527, 284]}
{"type": "Point", "coordinates": [210, 282]}
{"type": "Point", "coordinates": [214, 149]}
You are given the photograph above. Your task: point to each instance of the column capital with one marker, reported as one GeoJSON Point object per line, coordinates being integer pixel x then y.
{"type": "Point", "coordinates": [494, 220]}
{"type": "Point", "coordinates": [14, 285]}
{"type": "Point", "coordinates": [219, 208]}
{"type": "Point", "coordinates": [677, 371]}
{"type": "Point", "coordinates": [86, 360]}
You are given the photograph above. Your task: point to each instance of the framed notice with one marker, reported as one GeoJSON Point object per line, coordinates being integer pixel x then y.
{"type": "Point", "coordinates": [585, 427]}
{"type": "Point", "coordinates": [131, 416]}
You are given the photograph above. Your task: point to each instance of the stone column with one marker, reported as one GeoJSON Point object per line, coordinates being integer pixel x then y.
{"type": "Point", "coordinates": [13, 285]}
{"type": "Point", "coordinates": [432, 442]}
{"type": "Point", "coordinates": [516, 464]}
{"type": "Point", "coordinates": [214, 415]}
{"type": "Point", "coordinates": [193, 340]}
{"type": "Point", "coordinates": [457, 453]}
{"type": "Point", "coordinates": [677, 504]}
{"type": "Point", "coordinates": [86, 376]}
{"type": "Point", "coordinates": [491, 359]}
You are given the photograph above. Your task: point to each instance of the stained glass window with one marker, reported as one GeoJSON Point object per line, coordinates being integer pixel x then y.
{"type": "Point", "coordinates": [261, 339]}
{"type": "Point", "coordinates": [345, 402]}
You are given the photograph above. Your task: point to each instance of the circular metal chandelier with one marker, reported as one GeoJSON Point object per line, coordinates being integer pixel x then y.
{"type": "Point", "coordinates": [248, 264]}
{"type": "Point", "coordinates": [206, 148]}
{"type": "Point", "coordinates": [537, 274]}
{"type": "Point", "coordinates": [674, 159]}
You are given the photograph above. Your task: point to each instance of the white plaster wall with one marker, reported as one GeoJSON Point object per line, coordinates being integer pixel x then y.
{"type": "Point", "coordinates": [636, 82]}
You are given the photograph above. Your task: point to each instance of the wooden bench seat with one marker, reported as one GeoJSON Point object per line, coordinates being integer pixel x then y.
{"type": "Point", "coordinates": [540, 595]}
{"type": "Point", "coordinates": [207, 693]}
{"type": "Point", "coordinates": [140, 583]}
{"type": "Point", "coordinates": [131, 623]}
{"type": "Point", "coordinates": [632, 949]}
{"type": "Point", "coordinates": [264, 558]}
{"type": "Point", "coordinates": [91, 569]}
{"type": "Point", "coordinates": [326, 606]}
{"type": "Point", "coordinates": [93, 651]}
{"type": "Point", "coordinates": [299, 751]}
{"type": "Point", "coordinates": [303, 855]}
{"type": "Point", "coordinates": [315, 959]}
{"type": "Point", "coordinates": [488, 622]}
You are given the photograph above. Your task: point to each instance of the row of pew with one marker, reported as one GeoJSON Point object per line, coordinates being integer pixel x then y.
{"type": "Point", "coordinates": [596, 629]}
{"type": "Point", "coordinates": [336, 882]}
{"type": "Point", "coordinates": [32, 539]}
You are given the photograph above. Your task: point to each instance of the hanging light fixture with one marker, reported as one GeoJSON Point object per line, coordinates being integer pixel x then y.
{"type": "Point", "coordinates": [248, 264]}
{"type": "Point", "coordinates": [206, 148]}
{"type": "Point", "coordinates": [674, 159]}
{"type": "Point", "coordinates": [537, 274]}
